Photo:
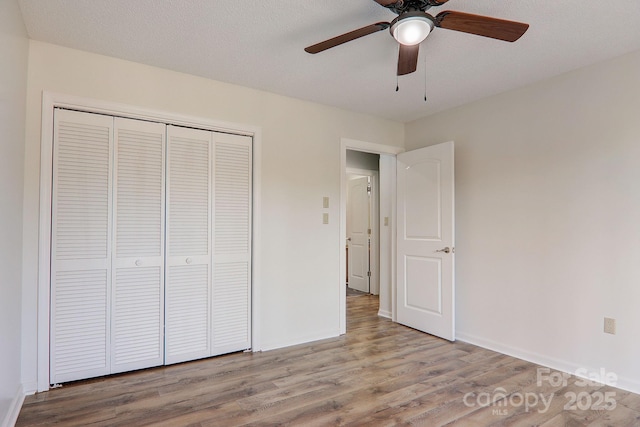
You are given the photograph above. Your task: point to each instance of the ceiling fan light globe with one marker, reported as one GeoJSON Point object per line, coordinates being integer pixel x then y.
{"type": "Point", "coordinates": [411, 30]}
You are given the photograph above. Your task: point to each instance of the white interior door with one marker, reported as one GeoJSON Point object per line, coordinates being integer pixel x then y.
{"type": "Point", "coordinates": [231, 306]}
{"type": "Point", "coordinates": [188, 260]}
{"type": "Point", "coordinates": [425, 240]}
{"type": "Point", "coordinates": [137, 313]}
{"type": "Point", "coordinates": [358, 226]}
{"type": "Point", "coordinates": [81, 246]}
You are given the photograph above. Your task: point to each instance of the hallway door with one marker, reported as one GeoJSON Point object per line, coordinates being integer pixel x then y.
{"type": "Point", "coordinates": [358, 233]}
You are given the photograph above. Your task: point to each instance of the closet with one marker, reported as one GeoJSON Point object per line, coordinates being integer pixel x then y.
{"type": "Point", "coordinates": [150, 244]}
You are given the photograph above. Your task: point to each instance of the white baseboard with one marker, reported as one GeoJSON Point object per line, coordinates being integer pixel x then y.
{"type": "Point", "coordinates": [300, 340]}
{"type": "Point", "coordinates": [541, 359]}
{"type": "Point", "coordinates": [384, 313]}
{"type": "Point", "coordinates": [14, 409]}
{"type": "Point", "coordinates": [30, 388]}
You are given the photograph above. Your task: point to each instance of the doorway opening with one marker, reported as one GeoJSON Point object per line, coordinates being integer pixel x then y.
{"type": "Point", "coordinates": [416, 244]}
{"type": "Point", "coordinates": [380, 166]}
{"type": "Point", "coordinates": [362, 249]}
{"type": "Point", "coordinates": [362, 223]}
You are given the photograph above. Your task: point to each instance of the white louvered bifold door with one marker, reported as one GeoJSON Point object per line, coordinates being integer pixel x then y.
{"type": "Point", "coordinates": [188, 269]}
{"type": "Point", "coordinates": [231, 308]}
{"type": "Point", "coordinates": [137, 312]}
{"type": "Point", "coordinates": [80, 246]}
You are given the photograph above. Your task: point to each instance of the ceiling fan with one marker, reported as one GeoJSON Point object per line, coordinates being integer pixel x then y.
{"type": "Point", "coordinates": [414, 24]}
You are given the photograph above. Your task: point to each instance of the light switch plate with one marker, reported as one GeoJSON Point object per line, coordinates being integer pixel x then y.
{"type": "Point", "coordinates": [325, 218]}
{"type": "Point", "coordinates": [609, 325]}
{"type": "Point", "coordinates": [325, 202]}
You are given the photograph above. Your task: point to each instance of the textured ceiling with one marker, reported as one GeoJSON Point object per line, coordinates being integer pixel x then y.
{"type": "Point", "coordinates": [259, 44]}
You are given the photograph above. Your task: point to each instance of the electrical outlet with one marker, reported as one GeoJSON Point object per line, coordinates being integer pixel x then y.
{"type": "Point", "coordinates": [610, 325]}
{"type": "Point", "coordinates": [325, 218]}
{"type": "Point", "coordinates": [386, 221]}
{"type": "Point", "coordinates": [325, 202]}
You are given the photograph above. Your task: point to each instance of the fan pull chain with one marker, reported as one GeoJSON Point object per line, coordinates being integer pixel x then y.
{"type": "Point", "coordinates": [425, 78]}
{"type": "Point", "coordinates": [398, 78]}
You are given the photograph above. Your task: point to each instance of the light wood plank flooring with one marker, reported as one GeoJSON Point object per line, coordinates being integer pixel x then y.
{"type": "Point", "coordinates": [379, 374]}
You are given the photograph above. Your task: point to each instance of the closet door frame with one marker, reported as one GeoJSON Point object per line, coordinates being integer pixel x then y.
{"type": "Point", "coordinates": [51, 100]}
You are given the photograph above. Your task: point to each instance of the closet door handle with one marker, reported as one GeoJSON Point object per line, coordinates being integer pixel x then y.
{"type": "Point", "coordinates": [138, 262]}
{"type": "Point", "coordinates": [188, 260]}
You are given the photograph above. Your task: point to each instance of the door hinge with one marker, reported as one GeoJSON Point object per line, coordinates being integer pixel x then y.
{"type": "Point", "coordinates": [369, 273]}
{"type": "Point", "coordinates": [369, 230]}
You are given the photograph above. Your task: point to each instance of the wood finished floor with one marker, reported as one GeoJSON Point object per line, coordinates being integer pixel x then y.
{"type": "Point", "coordinates": [378, 374]}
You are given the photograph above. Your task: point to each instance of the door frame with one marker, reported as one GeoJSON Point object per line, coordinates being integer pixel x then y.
{"type": "Point", "coordinates": [386, 187]}
{"type": "Point", "coordinates": [51, 100]}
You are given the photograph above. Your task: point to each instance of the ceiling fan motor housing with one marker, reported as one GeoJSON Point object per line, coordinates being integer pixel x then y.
{"type": "Point", "coordinates": [403, 6]}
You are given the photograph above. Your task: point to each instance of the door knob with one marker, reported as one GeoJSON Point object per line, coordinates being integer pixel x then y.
{"type": "Point", "coordinates": [445, 250]}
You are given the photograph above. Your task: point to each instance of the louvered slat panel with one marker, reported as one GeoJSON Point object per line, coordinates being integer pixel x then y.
{"type": "Point", "coordinates": [189, 196]}
{"type": "Point", "coordinates": [139, 185]}
{"type": "Point", "coordinates": [80, 246]}
{"type": "Point", "coordinates": [188, 281]}
{"type": "Point", "coordinates": [80, 347]}
{"type": "Point", "coordinates": [231, 317]}
{"type": "Point", "coordinates": [137, 318]}
{"type": "Point", "coordinates": [82, 187]}
{"type": "Point", "coordinates": [232, 197]}
{"type": "Point", "coordinates": [187, 313]}
{"type": "Point", "coordinates": [138, 283]}
{"type": "Point", "coordinates": [230, 309]}
{"type": "Point", "coordinates": [232, 201]}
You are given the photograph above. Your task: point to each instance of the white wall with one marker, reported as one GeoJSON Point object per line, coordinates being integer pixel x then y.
{"type": "Point", "coordinates": [300, 165]}
{"type": "Point", "coordinates": [548, 218]}
{"type": "Point", "coordinates": [13, 53]}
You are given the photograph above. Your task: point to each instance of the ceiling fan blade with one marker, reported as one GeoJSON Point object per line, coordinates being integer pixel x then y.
{"type": "Point", "coordinates": [407, 59]}
{"type": "Point", "coordinates": [386, 2]}
{"type": "Point", "coordinates": [347, 37]}
{"type": "Point", "coordinates": [486, 26]}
